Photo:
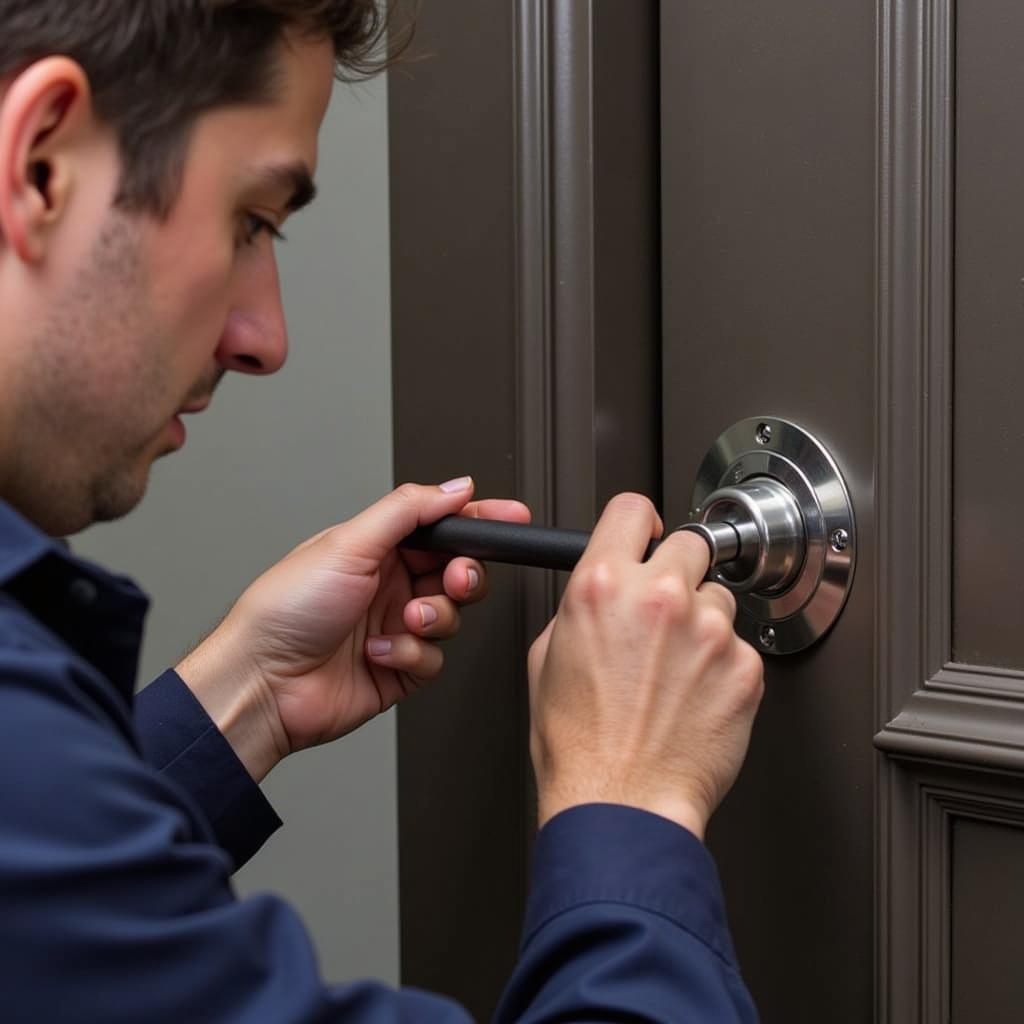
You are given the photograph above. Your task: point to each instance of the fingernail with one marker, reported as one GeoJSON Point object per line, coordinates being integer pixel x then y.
{"type": "Point", "coordinates": [428, 614]}
{"type": "Point", "coordinates": [474, 578]}
{"type": "Point", "coordinates": [462, 483]}
{"type": "Point", "coordinates": [378, 647]}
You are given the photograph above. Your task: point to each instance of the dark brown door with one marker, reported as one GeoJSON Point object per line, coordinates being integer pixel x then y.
{"type": "Point", "coordinates": [695, 213]}
{"type": "Point", "coordinates": [768, 219]}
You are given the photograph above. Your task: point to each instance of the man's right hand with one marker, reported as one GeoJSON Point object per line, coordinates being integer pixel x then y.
{"type": "Point", "coordinates": [641, 692]}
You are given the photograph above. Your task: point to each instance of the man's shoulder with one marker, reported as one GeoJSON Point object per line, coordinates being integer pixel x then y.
{"type": "Point", "coordinates": [35, 663]}
{"type": "Point", "coordinates": [21, 631]}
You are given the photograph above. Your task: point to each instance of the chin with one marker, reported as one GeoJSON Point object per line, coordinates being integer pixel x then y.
{"type": "Point", "coordinates": [58, 519]}
{"type": "Point", "coordinates": [114, 497]}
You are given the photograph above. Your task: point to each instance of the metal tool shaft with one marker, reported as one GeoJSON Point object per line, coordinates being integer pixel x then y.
{"type": "Point", "coordinates": [543, 547]}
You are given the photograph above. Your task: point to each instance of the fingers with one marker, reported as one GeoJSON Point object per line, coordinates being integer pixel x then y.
{"type": "Point", "coordinates": [502, 509]}
{"type": "Point", "coordinates": [688, 553]}
{"type": "Point", "coordinates": [405, 653]}
{"type": "Point", "coordinates": [436, 618]}
{"type": "Point", "coordinates": [721, 597]}
{"type": "Point", "coordinates": [464, 580]}
{"type": "Point", "coordinates": [382, 526]}
{"type": "Point", "coordinates": [624, 530]}
{"type": "Point", "coordinates": [435, 613]}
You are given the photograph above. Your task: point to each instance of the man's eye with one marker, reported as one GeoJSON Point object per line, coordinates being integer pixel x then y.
{"type": "Point", "coordinates": [256, 226]}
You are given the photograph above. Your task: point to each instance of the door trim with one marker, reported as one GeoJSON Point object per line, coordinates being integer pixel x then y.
{"type": "Point", "coordinates": [949, 734]}
{"type": "Point", "coordinates": [914, 443]}
{"type": "Point", "coordinates": [913, 458]}
{"type": "Point", "coordinates": [588, 238]}
{"type": "Point", "coordinates": [932, 705]}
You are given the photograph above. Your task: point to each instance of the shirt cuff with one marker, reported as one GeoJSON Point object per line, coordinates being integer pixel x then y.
{"type": "Point", "coordinates": [608, 853]}
{"type": "Point", "coordinates": [182, 742]}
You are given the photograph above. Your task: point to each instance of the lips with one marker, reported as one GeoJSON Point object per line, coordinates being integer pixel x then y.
{"type": "Point", "coordinates": [195, 407]}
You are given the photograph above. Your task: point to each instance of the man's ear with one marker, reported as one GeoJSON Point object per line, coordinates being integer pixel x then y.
{"type": "Point", "coordinates": [43, 115]}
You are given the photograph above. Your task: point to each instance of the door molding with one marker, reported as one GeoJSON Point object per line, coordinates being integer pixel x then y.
{"type": "Point", "coordinates": [913, 459]}
{"type": "Point", "coordinates": [587, 234]}
{"type": "Point", "coordinates": [587, 355]}
{"type": "Point", "coordinates": [914, 444]}
{"type": "Point", "coordinates": [935, 716]}
{"type": "Point", "coordinates": [932, 705]}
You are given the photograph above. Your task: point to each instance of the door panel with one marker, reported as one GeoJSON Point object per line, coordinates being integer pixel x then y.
{"type": "Point", "coordinates": [988, 922]}
{"type": "Point", "coordinates": [988, 590]}
{"type": "Point", "coordinates": [768, 207]}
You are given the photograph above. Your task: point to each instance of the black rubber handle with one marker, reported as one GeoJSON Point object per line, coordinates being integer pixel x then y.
{"type": "Point", "coordinates": [490, 540]}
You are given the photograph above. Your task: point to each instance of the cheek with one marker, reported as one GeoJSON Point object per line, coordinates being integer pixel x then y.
{"type": "Point", "coordinates": [194, 309]}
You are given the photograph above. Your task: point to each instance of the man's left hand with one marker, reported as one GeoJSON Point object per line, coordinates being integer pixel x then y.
{"type": "Point", "coordinates": [341, 629]}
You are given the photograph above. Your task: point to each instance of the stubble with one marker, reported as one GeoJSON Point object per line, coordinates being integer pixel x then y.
{"type": "Point", "coordinates": [92, 393]}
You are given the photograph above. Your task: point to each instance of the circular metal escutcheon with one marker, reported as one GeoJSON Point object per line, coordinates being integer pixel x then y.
{"type": "Point", "coordinates": [765, 446]}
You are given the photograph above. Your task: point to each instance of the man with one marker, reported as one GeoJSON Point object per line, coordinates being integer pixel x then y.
{"type": "Point", "coordinates": [148, 152]}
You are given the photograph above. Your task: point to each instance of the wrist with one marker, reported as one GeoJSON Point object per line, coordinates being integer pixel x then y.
{"type": "Point", "coordinates": [686, 813]}
{"type": "Point", "coordinates": [232, 692]}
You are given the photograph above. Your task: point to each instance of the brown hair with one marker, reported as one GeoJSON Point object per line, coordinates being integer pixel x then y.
{"type": "Point", "coordinates": [155, 65]}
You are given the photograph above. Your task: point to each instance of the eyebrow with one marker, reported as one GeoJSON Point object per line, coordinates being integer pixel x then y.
{"type": "Point", "coordinates": [294, 179]}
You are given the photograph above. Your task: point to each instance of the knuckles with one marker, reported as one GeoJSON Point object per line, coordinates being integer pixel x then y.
{"type": "Point", "coordinates": [537, 655]}
{"type": "Point", "coordinates": [749, 674]}
{"type": "Point", "coordinates": [591, 585]}
{"type": "Point", "coordinates": [630, 501]}
{"type": "Point", "coordinates": [713, 631]}
{"type": "Point", "coordinates": [407, 494]}
{"type": "Point", "coordinates": [725, 593]}
{"type": "Point", "coordinates": [668, 598]}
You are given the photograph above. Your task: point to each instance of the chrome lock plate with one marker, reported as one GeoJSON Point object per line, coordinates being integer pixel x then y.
{"type": "Point", "coordinates": [777, 484]}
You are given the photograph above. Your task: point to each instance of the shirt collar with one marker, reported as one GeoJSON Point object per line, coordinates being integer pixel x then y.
{"type": "Point", "coordinates": [97, 614]}
{"type": "Point", "coordinates": [22, 544]}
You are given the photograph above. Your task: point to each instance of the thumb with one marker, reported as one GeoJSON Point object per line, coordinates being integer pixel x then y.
{"type": "Point", "coordinates": [381, 527]}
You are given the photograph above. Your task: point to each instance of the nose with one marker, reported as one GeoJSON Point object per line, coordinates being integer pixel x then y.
{"type": "Point", "coordinates": [255, 337]}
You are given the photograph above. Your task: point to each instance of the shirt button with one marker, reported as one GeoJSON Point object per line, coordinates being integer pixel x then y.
{"type": "Point", "coordinates": [83, 592]}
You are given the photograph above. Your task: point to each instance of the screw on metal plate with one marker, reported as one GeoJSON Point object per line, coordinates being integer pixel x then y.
{"type": "Point", "coordinates": [764, 433]}
{"type": "Point", "coordinates": [767, 637]}
{"type": "Point", "coordinates": [840, 540]}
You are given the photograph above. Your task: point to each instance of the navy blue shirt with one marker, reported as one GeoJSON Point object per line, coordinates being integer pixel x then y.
{"type": "Point", "coordinates": [121, 822]}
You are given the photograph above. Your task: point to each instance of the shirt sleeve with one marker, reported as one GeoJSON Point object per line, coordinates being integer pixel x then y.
{"type": "Point", "coordinates": [118, 907]}
{"type": "Point", "coordinates": [180, 740]}
{"type": "Point", "coordinates": [625, 921]}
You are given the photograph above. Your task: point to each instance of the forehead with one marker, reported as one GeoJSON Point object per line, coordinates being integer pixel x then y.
{"type": "Point", "coordinates": [245, 139]}
{"type": "Point", "coordinates": [305, 79]}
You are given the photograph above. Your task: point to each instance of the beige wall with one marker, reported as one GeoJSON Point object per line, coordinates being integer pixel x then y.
{"type": "Point", "coordinates": [272, 462]}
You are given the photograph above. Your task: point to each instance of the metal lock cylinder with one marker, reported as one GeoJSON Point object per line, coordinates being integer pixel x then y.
{"type": "Point", "coordinates": [770, 535]}
{"type": "Point", "coordinates": [777, 487]}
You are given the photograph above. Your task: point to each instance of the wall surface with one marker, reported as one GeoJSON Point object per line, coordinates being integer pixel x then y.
{"type": "Point", "coordinates": [273, 461]}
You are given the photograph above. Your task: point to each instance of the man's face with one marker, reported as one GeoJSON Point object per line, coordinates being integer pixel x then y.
{"type": "Point", "coordinates": [145, 316]}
